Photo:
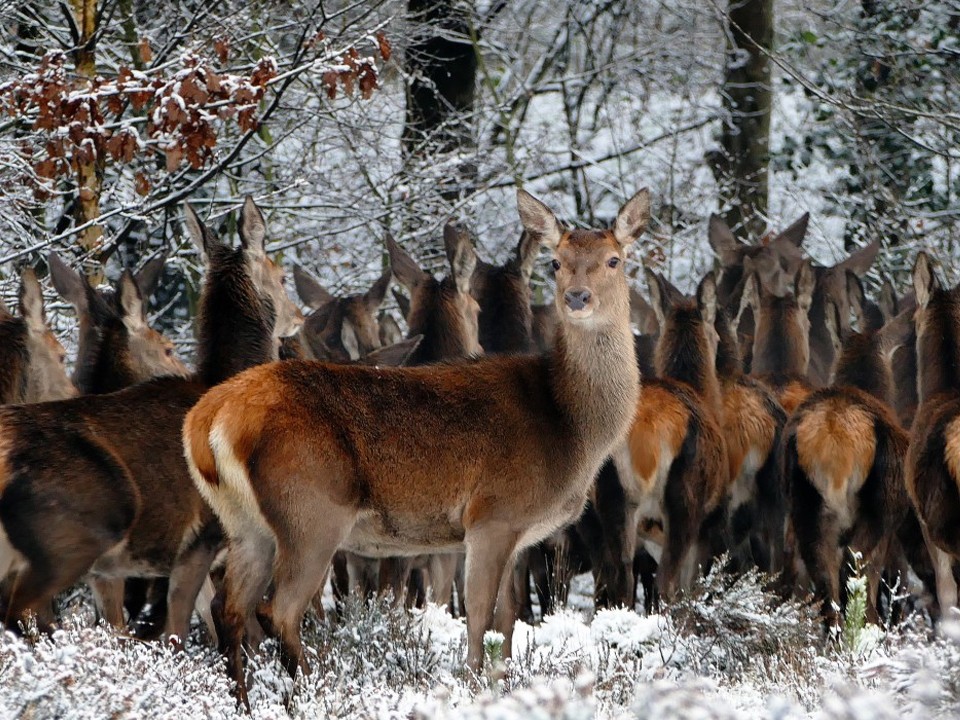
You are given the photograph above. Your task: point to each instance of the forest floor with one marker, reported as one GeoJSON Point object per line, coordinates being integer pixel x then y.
{"type": "Point", "coordinates": [727, 650]}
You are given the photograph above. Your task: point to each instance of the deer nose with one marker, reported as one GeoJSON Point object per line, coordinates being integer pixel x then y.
{"type": "Point", "coordinates": [577, 299]}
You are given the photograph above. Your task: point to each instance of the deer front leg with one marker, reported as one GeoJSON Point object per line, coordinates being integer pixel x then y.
{"type": "Point", "coordinates": [489, 547]}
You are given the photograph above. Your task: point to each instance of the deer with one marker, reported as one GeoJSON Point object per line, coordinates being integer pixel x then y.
{"type": "Point", "coordinates": [447, 315]}
{"type": "Point", "coordinates": [108, 472]}
{"type": "Point", "coordinates": [522, 439]}
{"type": "Point", "coordinates": [753, 424]}
{"type": "Point", "coordinates": [781, 343]}
{"type": "Point", "coordinates": [340, 328]}
{"type": "Point", "coordinates": [118, 348]}
{"type": "Point", "coordinates": [776, 261]}
{"type": "Point", "coordinates": [933, 471]}
{"type": "Point", "coordinates": [678, 467]}
{"type": "Point", "coordinates": [844, 458]}
{"type": "Point", "coordinates": [32, 360]}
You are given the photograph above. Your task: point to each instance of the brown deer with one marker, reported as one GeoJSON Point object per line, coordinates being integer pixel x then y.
{"type": "Point", "coordinates": [933, 460]}
{"type": "Point", "coordinates": [673, 464]}
{"type": "Point", "coordinates": [831, 286]}
{"type": "Point", "coordinates": [781, 343]}
{"type": "Point", "coordinates": [776, 262]}
{"type": "Point", "coordinates": [753, 426]}
{"type": "Point", "coordinates": [32, 360]}
{"type": "Point", "coordinates": [494, 454]}
{"type": "Point", "coordinates": [844, 455]}
{"type": "Point", "coordinates": [117, 349]}
{"type": "Point", "coordinates": [107, 471]}
{"type": "Point", "coordinates": [340, 328]}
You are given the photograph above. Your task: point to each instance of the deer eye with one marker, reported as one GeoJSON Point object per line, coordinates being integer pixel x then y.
{"type": "Point", "coordinates": [613, 262]}
{"type": "Point", "coordinates": [169, 352]}
{"type": "Point", "coordinates": [556, 265]}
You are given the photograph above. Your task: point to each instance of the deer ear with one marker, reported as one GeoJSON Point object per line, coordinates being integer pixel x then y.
{"type": "Point", "coordinates": [389, 329]}
{"type": "Point", "coordinates": [859, 261]}
{"type": "Point", "coordinates": [728, 249]}
{"type": "Point", "coordinates": [403, 302]}
{"type": "Point", "coordinates": [796, 232]}
{"type": "Point", "coordinates": [203, 237]}
{"type": "Point", "coordinates": [858, 300]}
{"type": "Point", "coordinates": [313, 294]}
{"type": "Point", "coordinates": [707, 298]}
{"type": "Point", "coordinates": [633, 219]}
{"type": "Point", "coordinates": [659, 299]}
{"type": "Point", "coordinates": [527, 251]}
{"type": "Point", "coordinates": [924, 279]}
{"type": "Point", "coordinates": [149, 275]}
{"type": "Point", "coordinates": [131, 302]}
{"type": "Point", "coordinates": [750, 297]}
{"type": "Point", "coordinates": [31, 300]}
{"type": "Point", "coordinates": [68, 283]}
{"type": "Point", "coordinates": [887, 301]}
{"type": "Point", "coordinates": [373, 298]}
{"type": "Point", "coordinates": [642, 313]}
{"type": "Point", "coordinates": [834, 323]}
{"type": "Point", "coordinates": [538, 220]}
{"type": "Point", "coordinates": [804, 286]}
{"type": "Point", "coordinates": [393, 355]}
{"type": "Point", "coordinates": [896, 333]}
{"type": "Point", "coordinates": [405, 268]}
{"type": "Point", "coordinates": [253, 228]}
{"type": "Point", "coordinates": [460, 254]}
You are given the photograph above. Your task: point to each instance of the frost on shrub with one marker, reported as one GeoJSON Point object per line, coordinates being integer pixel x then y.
{"type": "Point", "coordinates": [732, 626]}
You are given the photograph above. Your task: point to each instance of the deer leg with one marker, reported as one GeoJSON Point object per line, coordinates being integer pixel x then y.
{"type": "Point", "coordinates": [443, 567]}
{"type": "Point", "coordinates": [520, 586]}
{"type": "Point", "coordinates": [248, 572]}
{"type": "Point", "coordinates": [505, 613]}
{"type": "Point", "coordinates": [108, 599]}
{"type": "Point", "coordinates": [459, 582]}
{"type": "Point", "coordinates": [204, 609]}
{"type": "Point", "coordinates": [946, 582]}
{"type": "Point", "coordinates": [489, 547]}
{"type": "Point", "coordinates": [394, 572]}
{"type": "Point", "coordinates": [187, 577]}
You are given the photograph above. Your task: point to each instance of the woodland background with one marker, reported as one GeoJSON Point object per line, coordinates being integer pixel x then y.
{"type": "Point", "coordinates": [346, 120]}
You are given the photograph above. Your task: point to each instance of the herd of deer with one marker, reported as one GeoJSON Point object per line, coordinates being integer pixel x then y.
{"type": "Point", "coordinates": [769, 426]}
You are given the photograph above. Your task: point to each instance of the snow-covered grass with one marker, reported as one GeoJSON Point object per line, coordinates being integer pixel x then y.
{"type": "Point", "coordinates": [728, 650]}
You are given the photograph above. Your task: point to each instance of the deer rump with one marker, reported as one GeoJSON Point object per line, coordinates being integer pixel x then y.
{"type": "Point", "coordinates": [72, 488]}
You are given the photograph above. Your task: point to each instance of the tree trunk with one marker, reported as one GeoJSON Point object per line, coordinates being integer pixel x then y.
{"type": "Point", "coordinates": [89, 174]}
{"type": "Point", "coordinates": [741, 168]}
{"type": "Point", "coordinates": [442, 71]}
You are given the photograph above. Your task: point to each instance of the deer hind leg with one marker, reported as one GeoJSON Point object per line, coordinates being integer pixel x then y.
{"type": "Point", "coordinates": [108, 599]}
{"type": "Point", "coordinates": [186, 579]}
{"type": "Point", "coordinates": [248, 572]}
{"type": "Point", "coordinates": [946, 581]}
{"type": "Point", "coordinates": [489, 548]}
{"type": "Point", "coordinates": [520, 587]}
{"type": "Point", "coordinates": [443, 568]}
{"type": "Point", "coordinates": [302, 563]}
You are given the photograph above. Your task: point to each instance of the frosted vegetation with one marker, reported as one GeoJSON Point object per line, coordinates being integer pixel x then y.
{"type": "Point", "coordinates": [728, 650]}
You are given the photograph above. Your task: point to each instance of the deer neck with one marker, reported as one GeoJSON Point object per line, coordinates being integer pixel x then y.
{"type": "Point", "coordinates": [596, 383]}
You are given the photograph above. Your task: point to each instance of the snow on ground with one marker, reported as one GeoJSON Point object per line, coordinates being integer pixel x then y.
{"type": "Point", "coordinates": [729, 650]}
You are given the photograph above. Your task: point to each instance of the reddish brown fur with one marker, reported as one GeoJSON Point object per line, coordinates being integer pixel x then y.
{"type": "Point", "coordinates": [522, 438]}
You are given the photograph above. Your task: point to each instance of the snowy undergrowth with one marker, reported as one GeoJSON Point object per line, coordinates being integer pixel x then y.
{"type": "Point", "coordinates": [727, 650]}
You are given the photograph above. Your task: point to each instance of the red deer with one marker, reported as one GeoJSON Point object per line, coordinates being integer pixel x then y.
{"type": "Point", "coordinates": [108, 471]}
{"type": "Point", "coordinates": [674, 464]}
{"type": "Point", "coordinates": [844, 456]}
{"type": "Point", "coordinates": [117, 346]}
{"type": "Point", "coordinates": [32, 360]}
{"type": "Point", "coordinates": [340, 328]}
{"type": "Point", "coordinates": [781, 343]}
{"type": "Point", "coordinates": [776, 261]}
{"type": "Point", "coordinates": [117, 349]}
{"type": "Point", "coordinates": [753, 425]}
{"type": "Point", "coordinates": [492, 454]}
{"type": "Point", "coordinates": [831, 286]}
{"type": "Point", "coordinates": [933, 460]}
